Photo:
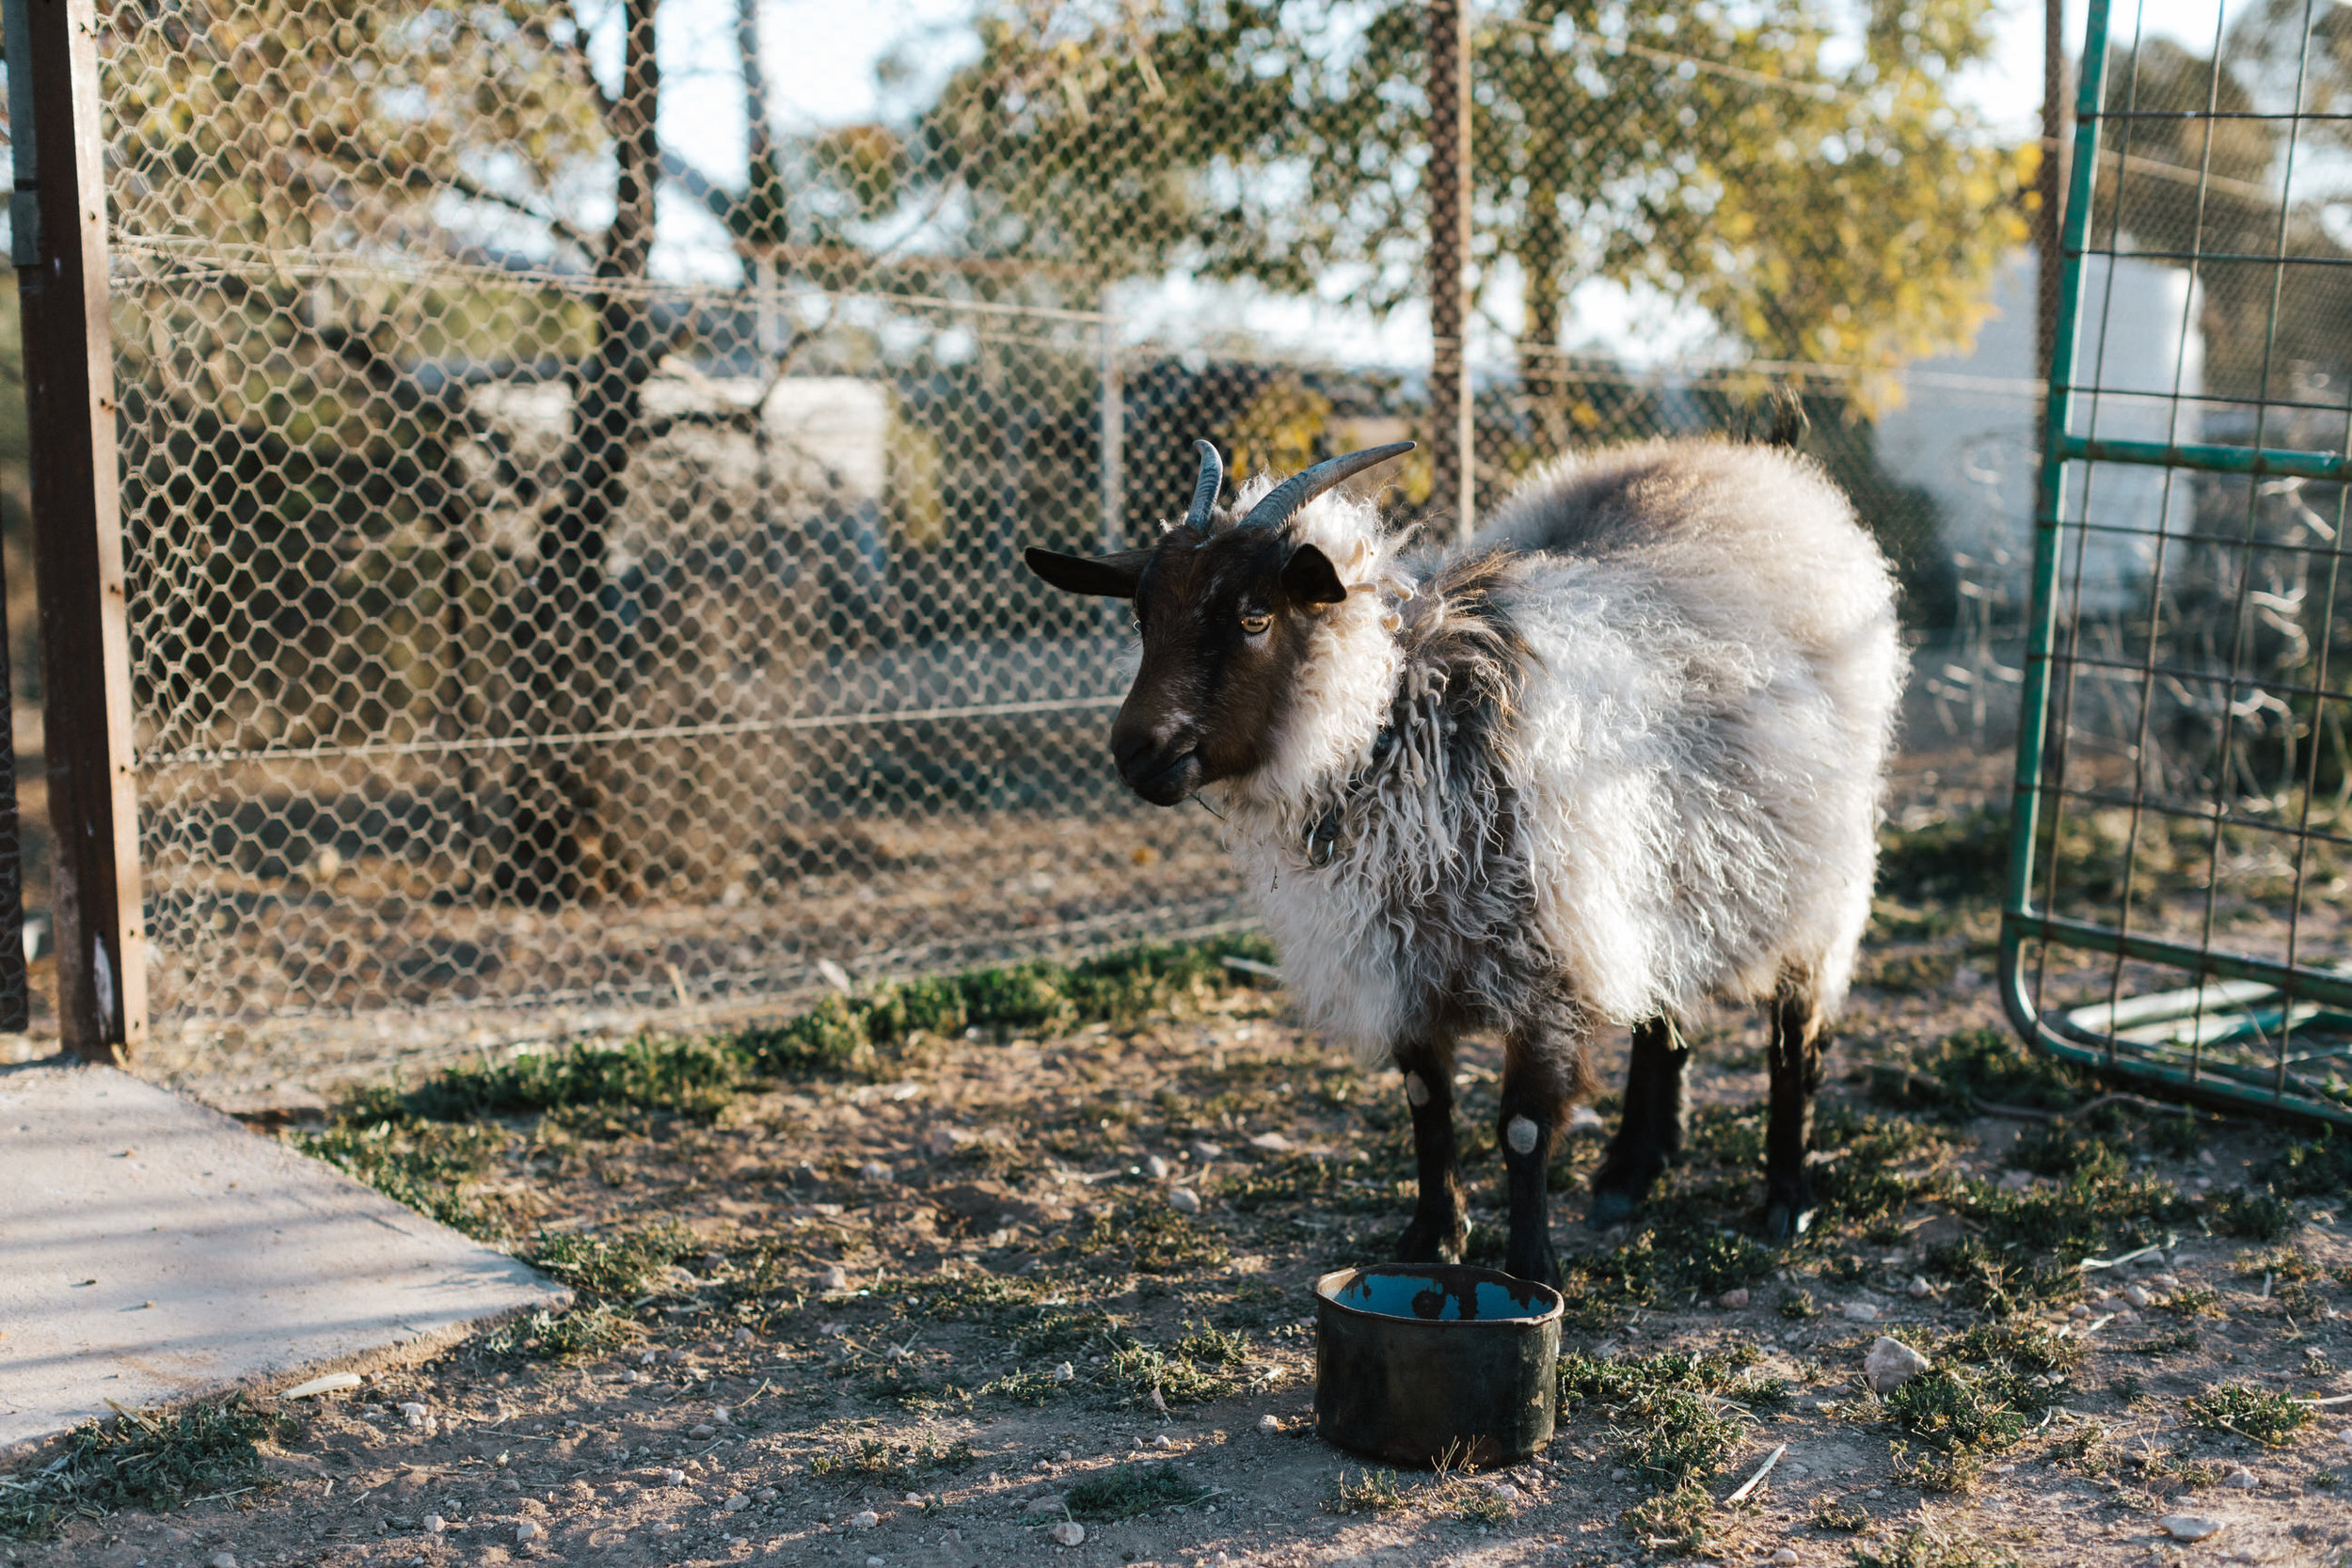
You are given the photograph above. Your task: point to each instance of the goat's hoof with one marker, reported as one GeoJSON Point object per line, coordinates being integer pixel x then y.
{"type": "Point", "coordinates": [1537, 1263]}
{"type": "Point", "coordinates": [1786, 1222]}
{"type": "Point", "coordinates": [1433, 1241]}
{"type": "Point", "coordinates": [1611, 1208]}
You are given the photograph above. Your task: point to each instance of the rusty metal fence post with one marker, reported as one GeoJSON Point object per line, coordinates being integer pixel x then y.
{"type": "Point", "coordinates": [58, 218]}
{"type": "Point", "coordinates": [1453, 457]}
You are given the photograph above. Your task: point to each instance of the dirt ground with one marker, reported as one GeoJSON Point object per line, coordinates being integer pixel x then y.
{"type": "Point", "coordinates": [999, 1284]}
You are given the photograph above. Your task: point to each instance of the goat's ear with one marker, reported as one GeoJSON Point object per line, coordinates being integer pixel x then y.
{"type": "Point", "coordinates": [1309, 578]}
{"type": "Point", "coordinates": [1109, 576]}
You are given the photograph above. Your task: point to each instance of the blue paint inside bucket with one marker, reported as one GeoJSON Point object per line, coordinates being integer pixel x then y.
{"type": "Point", "coordinates": [1436, 1298]}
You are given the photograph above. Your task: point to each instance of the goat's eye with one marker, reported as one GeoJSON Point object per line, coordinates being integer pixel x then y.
{"type": "Point", "coordinates": [1256, 625]}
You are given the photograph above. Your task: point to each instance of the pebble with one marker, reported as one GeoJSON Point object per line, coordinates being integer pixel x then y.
{"type": "Point", "coordinates": [1184, 1200]}
{"type": "Point", "coordinates": [735, 1504]}
{"type": "Point", "coordinates": [416, 1414]}
{"type": "Point", "coordinates": [1155, 1167]}
{"type": "Point", "coordinates": [873, 1563]}
{"type": "Point", "coordinates": [832, 1279]}
{"type": "Point", "coordinates": [2165, 1281]}
{"type": "Point", "coordinates": [527, 1532]}
{"type": "Point", "coordinates": [765, 1494]}
{"type": "Point", "coordinates": [222, 1559]}
{"type": "Point", "coordinates": [944, 1141]}
{"type": "Point", "coordinates": [1273, 1142]}
{"type": "Point", "coordinates": [2190, 1527]}
{"type": "Point", "coordinates": [1204, 1150]}
{"type": "Point", "coordinates": [865, 1519]}
{"type": "Point", "coordinates": [720, 1413]}
{"type": "Point", "coordinates": [1065, 1373]}
{"type": "Point", "coordinates": [744, 1336]}
{"type": "Point", "coordinates": [673, 1478]}
{"type": "Point", "coordinates": [874, 1170]}
{"type": "Point", "coordinates": [2241, 1478]}
{"type": "Point", "coordinates": [1068, 1534]}
{"type": "Point", "coordinates": [2078, 1310]}
{"type": "Point", "coordinates": [1890, 1364]}
{"type": "Point", "coordinates": [1270, 1425]}
{"type": "Point", "coordinates": [701, 1430]}
{"type": "Point", "coordinates": [1920, 1290]}
{"type": "Point", "coordinates": [435, 1523]}
{"type": "Point", "coordinates": [1785, 1555]}
{"type": "Point", "coordinates": [1038, 1508]}
{"type": "Point", "coordinates": [1860, 1311]}
{"type": "Point", "coordinates": [1507, 1492]}
{"type": "Point", "coordinates": [1732, 1301]}
{"type": "Point", "coordinates": [2138, 1296]}
{"type": "Point", "coordinates": [913, 1499]}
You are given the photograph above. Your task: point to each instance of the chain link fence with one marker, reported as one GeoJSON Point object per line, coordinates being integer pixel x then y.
{"type": "Point", "coordinates": [575, 571]}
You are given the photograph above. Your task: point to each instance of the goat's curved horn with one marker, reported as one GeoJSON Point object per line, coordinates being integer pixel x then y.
{"type": "Point", "coordinates": [1305, 485]}
{"type": "Point", "coordinates": [1204, 488]}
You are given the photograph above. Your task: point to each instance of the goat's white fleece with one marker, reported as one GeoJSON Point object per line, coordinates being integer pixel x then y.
{"type": "Point", "coordinates": [1684, 804]}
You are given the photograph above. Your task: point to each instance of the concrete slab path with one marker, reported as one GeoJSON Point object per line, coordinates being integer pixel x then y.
{"type": "Point", "coordinates": [152, 1250]}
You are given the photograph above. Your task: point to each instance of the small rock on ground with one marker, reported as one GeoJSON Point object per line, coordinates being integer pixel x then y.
{"type": "Point", "coordinates": [1732, 1301]}
{"type": "Point", "coordinates": [1068, 1534]}
{"type": "Point", "coordinates": [222, 1559]}
{"type": "Point", "coordinates": [1270, 1425]}
{"type": "Point", "coordinates": [1038, 1508]}
{"type": "Point", "coordinates": [1785, 1555]}
{"type": "Point", "coordinates": [1890, 1364]}
{"type": "Point", "coordinates": [1184, 1200]}
{"type": "Point", "coordinates": [865, 1519]}
{"type": "Point", "coordinates": [2241, 1478]}
{"type": "Point", "coordinates": [2190, 1527]}
{"type": "Point", "coordinates": [1860, 1311]}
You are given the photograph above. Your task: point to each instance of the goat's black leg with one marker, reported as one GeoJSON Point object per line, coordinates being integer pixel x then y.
{"type": "Point", "coordinates": [1796, 1021]}
{"type": "Point", "coordinates": [1439, 1228]}
{"type": "Point", "coordinates": [1649, 1134]}
{"type": "Point", "coordinates": [1541, 1074]}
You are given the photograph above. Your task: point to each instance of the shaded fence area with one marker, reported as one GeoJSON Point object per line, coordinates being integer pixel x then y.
{"type": "Point", "coordinates": [571, 554]}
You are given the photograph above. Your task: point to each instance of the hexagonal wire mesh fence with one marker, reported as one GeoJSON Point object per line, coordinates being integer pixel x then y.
{"type": "Point", "coordinates": [565, 579]}
{"type": "Point", "coordinates": [2179, 870]}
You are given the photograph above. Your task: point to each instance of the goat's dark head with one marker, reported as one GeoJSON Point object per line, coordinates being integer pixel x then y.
{"type": "Point", "coordinates": [1225, 613]}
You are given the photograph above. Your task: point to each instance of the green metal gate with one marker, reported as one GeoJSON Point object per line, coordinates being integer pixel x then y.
{"type": "Point", "coordinates": [2180, 858]}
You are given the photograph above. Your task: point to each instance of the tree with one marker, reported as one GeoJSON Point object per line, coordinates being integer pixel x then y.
{"type": "Point", "coordinates": [1848, 215]}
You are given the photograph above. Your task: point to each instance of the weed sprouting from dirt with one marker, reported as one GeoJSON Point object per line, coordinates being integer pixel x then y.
{"type": "Point", "coordinates": [1149, 1238]}
{"type": "Point", "coordinates": [1835, 1514]}
{"type": "Point", "coordinates": [2267, 1417]}
{"type": "Point", "coordinates": [562, 1336]}
{"type": "Point", "coordinates": [1799, 1306]}
{"type": "Point", "coordinates": [1127, 1491]}
{"type": "Point", "coordinates": [1935, 1546]}
{"type": "Point", "coordinates": [138, 1461]}
{"type": "Point", "coordinates": [617, 1267]}
{"type": "Point", "coordinates": [1677, 1416]}
{"type": "Point", "coordinates": [2259, 1215]}
{"type": "Point", "coordinates": [1679, 1519]}
{"type": "Point", "coordinates": [430, 1168]}
{"type": "Point", "coordinates": [1371, 1491]}
{"type": "Point", "coordinates": [879, 1462]}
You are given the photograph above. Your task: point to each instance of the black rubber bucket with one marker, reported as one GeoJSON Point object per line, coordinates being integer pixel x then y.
{"type": "Point", "coordinates": [1425, 1364]}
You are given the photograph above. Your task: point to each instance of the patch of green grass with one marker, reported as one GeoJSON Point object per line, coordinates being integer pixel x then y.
{"type": "Point", "coordinates": [562, 1336]}
{"type": "Point", "coordinates": [1205, 1364]}
{"type": "Point", "coordinates": [1952, 1474]}
{"type": "Point", "coordinates": [1981, 1397]}
{"type": "Point", "coordinates": [432, 1169]}
{"type": "Point", "coordinates": [2318, 1167]}
{"type": "Point", "coordinates": [1127, 1491]}
{"type": "Point", "coordinates": [1958, 1410]}
{"type": "Point", "coordinates": [1680, 1519]}
{"type": "Point", "coordinates": [1371, 1491]}
{"type": "Point", "coordinates": [2267, 1417]}
{"type": "Point", "coordinates": [614, 1268]}
{"type": "Point", "coordinates": [2194, 1301]}
{"type": "Point", "coordinates": [1831, 1513]}
{"type": "Point", "coordinates": [2178, 1342]}
{"type": "Point", "coordinates": [2260, 1216]}
{"type": "Point", "coordinates": [2059, 1148]}
{"type": "Point", "coordinates": [1033, 1387]}
{"type": "Point", "coordinates": [1480, 1507]}
{"type": "Point", "coordinates": [1146, 1236]}
{"type": "Point", "coordinates": [684, 1077]}
{"type": "Point", "coordinates": [138, 1461]}
{"type": "Point", "coordinates": [2326, 1481]}
{"type": "Point", "coordinates": [1676, 1415]}
{"type": "Point", "coordinates": [1942, 1545]}
{"type": "Point", "coordinates": [893, 1465]}
{"type": "Point", "coordinates": [1990, 1065]}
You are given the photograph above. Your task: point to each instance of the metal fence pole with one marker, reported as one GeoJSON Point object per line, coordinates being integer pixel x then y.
{"type": "Point", "coordinates": [59, 230]}
{"type": "Point", "coordinates": [1114, 431]}
{"type": "Point", "coordinates": [1453, 457]}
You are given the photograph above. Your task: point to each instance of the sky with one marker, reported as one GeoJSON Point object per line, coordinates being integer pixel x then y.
{"type": "Point", "coordinates": [822, 56]}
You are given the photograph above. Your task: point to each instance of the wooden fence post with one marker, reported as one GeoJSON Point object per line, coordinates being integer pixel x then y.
{"type": "Point", "coordinates": [57, 220]}
{"type": "Point", "coordinates": [1453, 454]}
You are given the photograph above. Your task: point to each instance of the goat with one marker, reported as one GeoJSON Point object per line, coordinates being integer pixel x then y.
{"type": "Point", "coordinates": [1619, 757]}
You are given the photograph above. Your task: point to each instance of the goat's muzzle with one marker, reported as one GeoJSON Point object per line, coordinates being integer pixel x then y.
{"type": "Point", "coordinates": [1160, 773]}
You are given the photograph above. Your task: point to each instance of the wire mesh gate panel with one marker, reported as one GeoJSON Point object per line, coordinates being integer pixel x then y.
{"type": "Point", "coordinates": [2177, 907]}
{"type": "Point", "coordinates": [546, 597]}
